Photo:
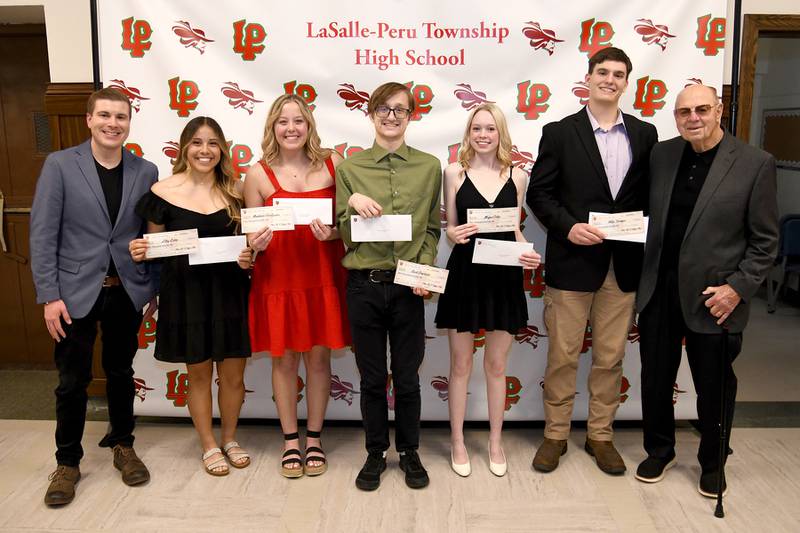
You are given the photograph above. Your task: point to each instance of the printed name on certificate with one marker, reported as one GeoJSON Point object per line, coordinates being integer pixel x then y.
{"type": "Point", "coordinates": [494, 220]}
{"type": "Point", "coordinates": [415, 275]}
{"type": "Point", "coordinates": [171, 243]}
{"type": "Point", "coordinates": [279, 218]}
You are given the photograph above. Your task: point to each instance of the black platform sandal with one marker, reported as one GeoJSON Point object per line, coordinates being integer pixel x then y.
{"type": "Point", "coordinates": [314, 453]}
{"type": "Point", "coordinates": [291, 472]}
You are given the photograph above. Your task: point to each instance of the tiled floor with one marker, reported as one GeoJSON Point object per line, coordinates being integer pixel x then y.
{"type": "Point", "coordinates": [769, 365]}
{"type": "Point", "coordinates": [763, 473]}
{"type": "Point", "coordinates": [763, 479]}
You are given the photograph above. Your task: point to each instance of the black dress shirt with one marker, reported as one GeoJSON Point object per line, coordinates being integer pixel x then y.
{"type": "Point", "coordinates": [691, 176]}
{"type": "Point", "coordinates": [111, 181]}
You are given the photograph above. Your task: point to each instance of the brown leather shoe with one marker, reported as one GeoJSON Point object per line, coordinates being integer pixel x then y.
{"type": "Point", "coordinates": [548, 454]}
{"type": "Point", "coordinates": [608, 459]}
{"type": "Point", "coordinates": [62, 485]}
{"type": "Point", "coordinates": [133, 470]}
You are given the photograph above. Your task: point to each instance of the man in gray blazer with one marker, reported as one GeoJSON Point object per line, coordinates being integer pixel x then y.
{"type": "Point", "coordinates": [82, 220]}
{"type": "Point", "coordinates": [712, 238]}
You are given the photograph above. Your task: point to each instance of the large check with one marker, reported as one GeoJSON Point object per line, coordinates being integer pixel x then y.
{"type": "Point", "coordinates": [416, 275]}
{"type": "Point", "coordinates": [627, 226]}
{"type": "Point", "coordinates": [277, 218]}
{"type": "Point", "coordinates": [171, 243]}
{"type": "Point", "coordinates": [494, 220]}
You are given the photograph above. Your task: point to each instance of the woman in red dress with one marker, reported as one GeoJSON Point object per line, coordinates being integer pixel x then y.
{"type": "Point", "coordinates": [297, 297]}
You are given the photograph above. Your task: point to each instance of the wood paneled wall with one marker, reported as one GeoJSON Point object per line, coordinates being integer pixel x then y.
{"type": "Point", "coordinates": [65, 104]}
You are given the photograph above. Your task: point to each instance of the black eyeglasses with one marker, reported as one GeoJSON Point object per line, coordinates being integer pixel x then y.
{"type": "Point", "coordinates": [399, 112]}
{"type": "Point", "coordinates": [700, 111]}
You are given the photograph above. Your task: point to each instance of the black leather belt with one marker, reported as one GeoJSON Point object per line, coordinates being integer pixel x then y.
{"type": "Point", "coordinates": [378, 276]}
{"type": "Point", "coordinates": [111, 281]}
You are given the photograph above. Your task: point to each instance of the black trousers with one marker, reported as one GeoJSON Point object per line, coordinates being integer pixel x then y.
{"type": "Point", "coordinates": [662, 327]}
{"type": "Point", "coordinates": [119, 323]}
{"type": "Point", "coordinates": [379, 311]}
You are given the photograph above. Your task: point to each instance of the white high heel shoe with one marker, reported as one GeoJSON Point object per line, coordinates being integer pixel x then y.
{"type": "Point", "coordinates": [462, 470]}
{"type": "Point", "coordinates": [498, 469]}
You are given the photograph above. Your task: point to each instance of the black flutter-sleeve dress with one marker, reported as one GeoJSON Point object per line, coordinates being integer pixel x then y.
{"type": "Point", "coordinates": [202, 310]}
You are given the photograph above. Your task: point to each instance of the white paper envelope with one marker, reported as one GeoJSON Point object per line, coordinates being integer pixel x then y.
{"type": "Point", "coordinates": [627, 226]}
{"type": "Point", "coordinates": [385, 228]}
{"type": "Point", "coordinates": [494, 220]}
{"type": "Point", "coordinates": [218, 250]}
{"type": "Point", "coordinates": [492, 252]}
{"type": "Point", "coordinates": [171, 243]}
{"type": "Point", "coordinates": [277, 218]}
{"type": "Point", "coordinates": [425, 276]}
{"type": "Point", "coordinates": [307, 209]}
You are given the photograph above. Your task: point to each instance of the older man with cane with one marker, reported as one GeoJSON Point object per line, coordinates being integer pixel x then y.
{"type": "Point", "coordinates": [712, 238]}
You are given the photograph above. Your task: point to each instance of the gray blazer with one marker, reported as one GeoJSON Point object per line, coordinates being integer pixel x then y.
{"type": "Point", "coordinates": [72, 238]}
{"type": "Point", "coordinates": [732, 236]}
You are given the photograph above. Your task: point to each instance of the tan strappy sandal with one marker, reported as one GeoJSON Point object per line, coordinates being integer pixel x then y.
{"type": "Point", "coordinates": [214, 467]}
{"type": "Point", "coordinates": [240, 459]}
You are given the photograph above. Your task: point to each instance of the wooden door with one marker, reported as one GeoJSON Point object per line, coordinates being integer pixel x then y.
{"type": "Point", "coordinates": [24, 144]}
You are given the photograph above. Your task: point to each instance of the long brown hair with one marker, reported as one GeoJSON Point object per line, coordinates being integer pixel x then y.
{"type": "Point", "coordinates": [504, 146]}
{"type": "Point", "coordinates": [224, 177]}
{"type": "Point", "coordinates": [313, 148]}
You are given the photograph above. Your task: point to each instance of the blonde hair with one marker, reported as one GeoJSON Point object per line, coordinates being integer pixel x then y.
{"type": "Point", "coordinates": [466, 152]}
{"type": "Point", "coordinates": [269, 144]}
{"type": "Point", "coordinates": [224, 180]}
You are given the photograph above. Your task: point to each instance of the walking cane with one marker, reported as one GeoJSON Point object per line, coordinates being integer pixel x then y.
{"type": "Point", "coordinates": [719, 512]}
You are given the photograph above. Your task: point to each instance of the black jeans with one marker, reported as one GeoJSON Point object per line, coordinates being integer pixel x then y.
{"type": "Point", "coordinates": [662, 327]}
{"type": "Point", "coordinates": [119, 322]}
{"type": "Point", "coordinates": [378, 310]}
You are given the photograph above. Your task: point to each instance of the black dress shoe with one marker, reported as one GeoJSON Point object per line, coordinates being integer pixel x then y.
{"type": "Point", "coordinates": [369, 478]}
{"type": "Point", "coordinates": [709, 484]}
{"type": "Point", "coordinates": [61, 490]}
{"type": "Point", "coordinates": [653, 469]}
{"type": "Point", "coordinates": [416, 475]}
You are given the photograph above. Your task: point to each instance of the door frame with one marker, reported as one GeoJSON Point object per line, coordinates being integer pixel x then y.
{"type": "Point", "coordinates": [756, 26]}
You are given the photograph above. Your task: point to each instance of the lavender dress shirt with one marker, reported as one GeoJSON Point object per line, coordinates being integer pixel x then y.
{"type": "Point", "coordinates": [615, 150]}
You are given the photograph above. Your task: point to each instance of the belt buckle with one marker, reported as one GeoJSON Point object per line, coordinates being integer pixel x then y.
{"type": "Point", "coordinates": [371, 276]}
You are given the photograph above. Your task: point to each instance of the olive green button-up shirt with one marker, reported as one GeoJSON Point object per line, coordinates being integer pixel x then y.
{"type": "Point", "coordinates": [404, 182]}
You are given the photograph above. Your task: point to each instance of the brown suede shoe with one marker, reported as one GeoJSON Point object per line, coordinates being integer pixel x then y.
{"type": "Point", "coordinates": [133, 470]}
{"type": "Point", "coordinates": [62, 485]}
{"type": "Point", "coordinates": [608, 459]}
{"type": "Point", "coordinates": [546, 458]}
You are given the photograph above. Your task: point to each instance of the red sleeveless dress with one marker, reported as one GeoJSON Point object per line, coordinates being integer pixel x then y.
{"type": "Point", "coordinates": [297, 294]}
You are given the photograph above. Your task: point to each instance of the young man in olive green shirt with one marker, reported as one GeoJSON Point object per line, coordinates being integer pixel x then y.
{"type": "Point", "coordinates": [389, 179]}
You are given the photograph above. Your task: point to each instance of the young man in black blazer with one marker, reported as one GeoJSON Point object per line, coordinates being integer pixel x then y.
{"type": "Point", "coordinates": [594, 160]}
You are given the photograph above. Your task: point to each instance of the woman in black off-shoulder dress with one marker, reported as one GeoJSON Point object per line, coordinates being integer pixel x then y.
{"type": "Point", "coordinates": [202, 314]}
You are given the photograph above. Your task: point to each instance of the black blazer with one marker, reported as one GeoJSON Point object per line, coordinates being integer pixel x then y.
{"type": "Point", "coordinates": [567, 181]}
{"type": "Point", "coordinates": [732, 235]}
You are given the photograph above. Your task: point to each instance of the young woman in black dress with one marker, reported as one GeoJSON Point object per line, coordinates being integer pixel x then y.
{"type": "Point", "coordinates": [203, 308]}
{"type": "Point", "coordinates": [477, 296]}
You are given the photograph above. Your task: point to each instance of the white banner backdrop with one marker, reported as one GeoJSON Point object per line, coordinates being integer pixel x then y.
{"type": "Point", "coordinates": [177, 59]}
